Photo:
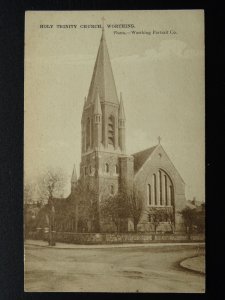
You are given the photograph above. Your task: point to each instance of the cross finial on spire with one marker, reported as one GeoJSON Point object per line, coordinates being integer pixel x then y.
{"type": "Point", "coordinates": [103, 23]}
{"type": "Point", "coordinates": [159, 139]}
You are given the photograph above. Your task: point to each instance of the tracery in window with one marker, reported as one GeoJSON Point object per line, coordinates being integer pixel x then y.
{"type": "Point", "coordinates": [160, 190]}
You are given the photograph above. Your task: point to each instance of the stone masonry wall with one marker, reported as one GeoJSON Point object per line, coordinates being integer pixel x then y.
{"type": "Point", "coordinates": [114, 238]}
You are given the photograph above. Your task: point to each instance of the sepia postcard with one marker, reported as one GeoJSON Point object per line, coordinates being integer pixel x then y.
{"type": "Point", "coordinates": [114, 151]}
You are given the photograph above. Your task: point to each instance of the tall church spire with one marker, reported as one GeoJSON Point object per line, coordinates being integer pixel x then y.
{"type": "Point", "coordinates": [102, 77]}
{"type": "Point", "coordinates": [74, 175]}
{"type": "Point", "coordinates": [73, 179]}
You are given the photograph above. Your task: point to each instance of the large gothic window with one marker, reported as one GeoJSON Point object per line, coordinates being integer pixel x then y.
{"type": "Point", "coordinates": [111, 130]}
{"type": "Point", "coordinates": [160, 190]}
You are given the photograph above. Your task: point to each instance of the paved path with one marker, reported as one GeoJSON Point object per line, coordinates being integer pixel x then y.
{"type": "Point", "coordinates": [126, 269]}
{"type": "Point", "coordinates": [196, 264]}
{"type": "Point", "coordinates": [41, 243]}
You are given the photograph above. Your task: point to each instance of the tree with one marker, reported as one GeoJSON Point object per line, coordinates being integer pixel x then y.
{"type": "Point", "coordinates": [189, 216]}
{"type": "Point", "coordinates": [200, 221]}
{"type": "Point", "coordinates": [161, 214]}
{"type": "Point", "coordinates": [50, 185]}
{"type": "Point", "coordinates": [29, 206]}
{"type": "Point", "coordinates": [114, 208]}
{"type": "Point", "coordinates": [28, 192]}
{"type": "Point", "coordinates": [157, 215]}
{"type": "Point", "coordinates": [134, 201]}
{"type": "Point", "coordinates": [169, 216]}
{"type": "Point", "coordinates": [86, 207]}
{"type": "Point", "coordinates": [78, 212]}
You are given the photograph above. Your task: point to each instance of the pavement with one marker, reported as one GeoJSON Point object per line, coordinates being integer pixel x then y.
{"type": "Point", "coordinates": [196, 264]}
{"type": "Point", "coordinates": [58, 245]}
{"type": "Point", "coordinates": [111, 268]}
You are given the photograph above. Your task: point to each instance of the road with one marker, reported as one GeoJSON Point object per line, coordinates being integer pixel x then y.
{"type": "Point", "coordinates": [139, 269]}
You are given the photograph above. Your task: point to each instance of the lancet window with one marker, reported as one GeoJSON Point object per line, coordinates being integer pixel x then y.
{"type": "Point", "coordinates": [160, 190]}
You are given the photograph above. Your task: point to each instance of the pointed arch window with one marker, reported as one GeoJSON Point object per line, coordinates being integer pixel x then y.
{"type": "Point", "coordinates": [111, 130]}
{"type": "Point", "coordinates": [155, 189]}
{"type": "Point", "coordinates": [85, 170]}
{"type": "Point", "coordinates": [117, 169]}
{"type": "Point", "coordinates": [166, 188]}
{"type": "Point", "coordinates": [97, 119]}
{"type": "Point", "coordinates": [149, 195]}
{"type": "Point", "coordinates": [112, 190]}
{"type": "Point", "coordinates": [107, 168]}
{"type": "Point", "coordinates": [160, 188]}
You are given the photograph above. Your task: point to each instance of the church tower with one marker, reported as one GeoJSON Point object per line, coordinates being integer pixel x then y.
{"type": "Point", "coordinates": [103, 128]}
{"type": "Point", "coordinates": [100, 119]}
{"type": "Point", "coordinates": [105, 167]}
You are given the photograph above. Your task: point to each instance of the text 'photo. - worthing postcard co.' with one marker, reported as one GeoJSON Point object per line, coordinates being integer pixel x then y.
{"type": "Point", "coordinates": [114, 151]}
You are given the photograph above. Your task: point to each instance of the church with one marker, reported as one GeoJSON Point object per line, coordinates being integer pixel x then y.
{"type": "Point", "coordinates": [105, 163]}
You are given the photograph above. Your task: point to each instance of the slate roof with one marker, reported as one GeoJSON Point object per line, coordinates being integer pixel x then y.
{"type": "Point", "coordinates": [141, 157]}
{"type": "Point", "coordinates": [102, 81]}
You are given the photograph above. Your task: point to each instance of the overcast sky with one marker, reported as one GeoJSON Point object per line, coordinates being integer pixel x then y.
{"type": "Point", "coordinates": [161, 77]}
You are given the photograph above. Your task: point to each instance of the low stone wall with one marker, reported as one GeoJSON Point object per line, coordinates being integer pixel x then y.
{"type": "Point", "coordinates": [114, 238]}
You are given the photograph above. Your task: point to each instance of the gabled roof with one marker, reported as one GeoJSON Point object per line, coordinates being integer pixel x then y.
{"type": "Point", "coordinates": [102, 78]}
{"type": "Point", "coordinates": [141, 157]}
